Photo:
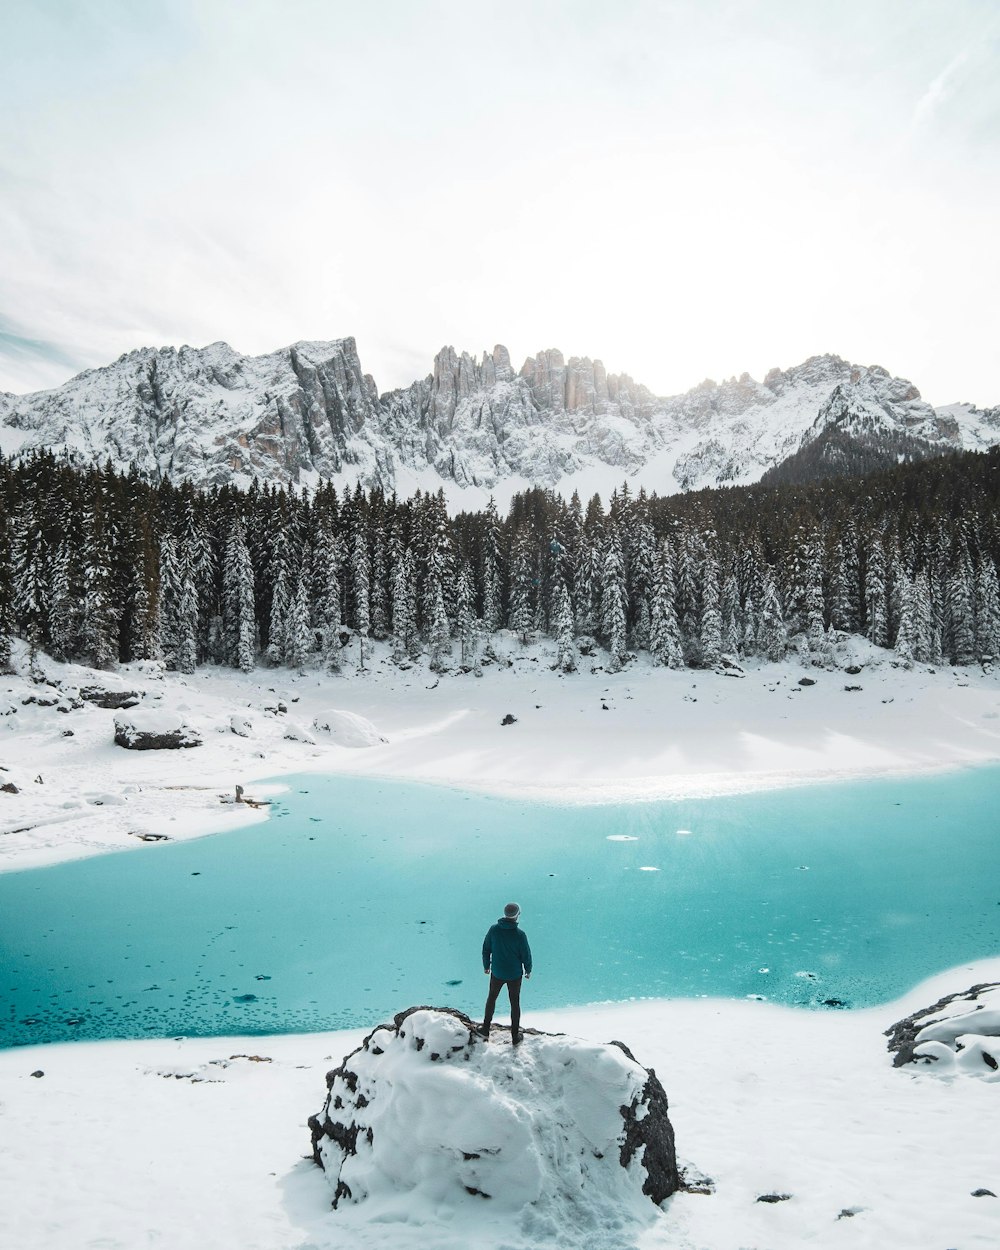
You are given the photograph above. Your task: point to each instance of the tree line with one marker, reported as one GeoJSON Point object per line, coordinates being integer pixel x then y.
{"type": "Point", "coordinates": [99, 566]}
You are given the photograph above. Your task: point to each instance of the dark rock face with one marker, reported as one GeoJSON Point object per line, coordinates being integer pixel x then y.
{"type": "Point", "coordinates": [488, 1107]}
{"type": "Point", "coordinates": [654, 1134]}
{"type": "Point", "coordinates": [972, 1011]}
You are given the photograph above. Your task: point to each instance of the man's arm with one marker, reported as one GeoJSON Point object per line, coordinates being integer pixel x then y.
{"type": "Point", "coordinates": [526, 955]}
{"type": "Point", "coordinates": [487, 949]}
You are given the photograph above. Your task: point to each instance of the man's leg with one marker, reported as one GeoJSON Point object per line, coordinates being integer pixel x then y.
{"type": "Point", "coordinates": [514, 990]}
{"type": "Point", "coordinates": [491, 1002]}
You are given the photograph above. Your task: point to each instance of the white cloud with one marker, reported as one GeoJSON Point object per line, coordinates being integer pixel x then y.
{"type": "Point", "coordinates": [683, 190]}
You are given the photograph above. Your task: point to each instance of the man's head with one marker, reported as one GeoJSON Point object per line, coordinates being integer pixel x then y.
{"type": "Point", "coordinates": [511, 911]}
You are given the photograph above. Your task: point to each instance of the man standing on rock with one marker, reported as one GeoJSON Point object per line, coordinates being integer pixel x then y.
{"type": "Point", "coordinates": [506, 954]}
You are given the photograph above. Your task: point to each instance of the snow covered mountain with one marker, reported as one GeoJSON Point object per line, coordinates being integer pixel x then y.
{"type": "Point", "coordinates": [477, 427]}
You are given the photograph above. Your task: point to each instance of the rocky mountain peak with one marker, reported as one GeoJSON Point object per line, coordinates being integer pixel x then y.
{"type": "Point", "coordinates": [213, 415]}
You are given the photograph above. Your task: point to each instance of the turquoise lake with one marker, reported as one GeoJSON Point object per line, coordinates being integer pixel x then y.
{"type": "Point", "coordinates": [359, 898]}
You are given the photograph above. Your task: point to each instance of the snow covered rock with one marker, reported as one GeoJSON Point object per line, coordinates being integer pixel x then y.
{"type": "Point", "coordinates": [347, 729]}
{"type": "Point", "coordinates": [112, 699]}
{"type": "Point", "coordinates": [154, 729]}
{"type": "Point", "coordinates": [559, 1128]}
{"type": "Point", "coordinates": [959, 1033]}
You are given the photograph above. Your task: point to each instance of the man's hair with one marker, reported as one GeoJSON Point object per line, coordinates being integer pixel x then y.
{"type": "Point", "coordinates": [512, 911]}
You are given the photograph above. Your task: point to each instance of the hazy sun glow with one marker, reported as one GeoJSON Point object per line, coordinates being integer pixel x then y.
{"type": "Point", "coordinates": [684, 189]}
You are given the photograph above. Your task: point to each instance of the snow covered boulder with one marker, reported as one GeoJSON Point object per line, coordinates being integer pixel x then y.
{"type": "Point", "coordinates": [154, 729]}
{"type": "Point", "coordinates": [959, 1033]}
{"type": "Point", "coordinates": [561, 1130]}
{"type": "Point", "coordinates": [347, 729]}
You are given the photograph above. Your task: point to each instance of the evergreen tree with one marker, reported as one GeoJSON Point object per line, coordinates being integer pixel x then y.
{"type": "Point", "coordinates": [710, 624]}
{"type": "Point", "coordinates": [613, 603]}
{"type": "Point", "coordinates": [361, 578]}
{"type": "Point", "coordinates": [239, 623]}
{"type": "Point", "coordinates": [772, 638]}
{"type": "Point", "coordinates": [664, 635]}
{"type": "Point", "coordinates": [987, 638]}
{"type": "Point", "coordinates": [466, 621]}
{"type": "Point", "coordinates": [298, 635]}
{"type": "Point", "coordinates": [876, 627]}
{"type": "Point", "coordinates": [565, 647]}
{"type": "Point", "coordinates": [492, 565]}
{"type": "Point", "coordinates": [404, 625]}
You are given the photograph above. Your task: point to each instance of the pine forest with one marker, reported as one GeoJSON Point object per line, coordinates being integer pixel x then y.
{"type": "Point", "coordinates": [99, 567]}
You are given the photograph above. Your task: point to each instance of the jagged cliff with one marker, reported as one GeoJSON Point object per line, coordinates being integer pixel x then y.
{"type": "Point", "coordinates": [310, 411]}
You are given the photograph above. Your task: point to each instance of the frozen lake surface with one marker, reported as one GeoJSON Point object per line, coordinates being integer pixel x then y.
{"type": "Point", "coordinates": [359, 898]}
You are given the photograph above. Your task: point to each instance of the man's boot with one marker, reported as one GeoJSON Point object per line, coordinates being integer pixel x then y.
{"type": "Point", "coordinates": [483, 1030]}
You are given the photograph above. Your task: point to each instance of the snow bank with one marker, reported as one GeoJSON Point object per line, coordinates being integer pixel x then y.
{"type": "Point", "coordinates": [576, 1131]}
{"type": "Point", "coordinates": [347, 729]}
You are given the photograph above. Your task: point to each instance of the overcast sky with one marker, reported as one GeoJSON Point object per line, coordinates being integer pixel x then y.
{"type": "Point", "coordinates": [684, 189]}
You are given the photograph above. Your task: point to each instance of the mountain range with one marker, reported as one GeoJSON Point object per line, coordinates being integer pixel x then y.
{"type": "Point", "coordinates": [476, 426]}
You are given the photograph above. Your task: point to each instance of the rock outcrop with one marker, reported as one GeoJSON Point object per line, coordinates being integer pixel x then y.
{"type": "Point", "coordinates": [154, 729]}
{"type": "Point", "coordinates": [958, 1033]}
{"type": "Point", "coordinates": [426, 1107]}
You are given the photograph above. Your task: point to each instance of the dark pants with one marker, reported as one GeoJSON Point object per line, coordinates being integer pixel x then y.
{"type": "Point", "coordinates": [513, 992]}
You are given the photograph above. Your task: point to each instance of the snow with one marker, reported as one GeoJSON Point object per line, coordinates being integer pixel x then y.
{"type": "Point", "coordinates": [664, 734]}
{"type": "Point", "coordinates": [200, 1142]}
{"type": "Point", "coordinates": [347, 729]}
{"type": "Point", "coordinates": [191, 1143]}
{"type": "Point", "coordinates": [542, 1126]}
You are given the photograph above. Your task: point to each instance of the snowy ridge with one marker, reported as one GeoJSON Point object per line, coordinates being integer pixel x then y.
{"type": "Point", "coordinates": [472, 426]}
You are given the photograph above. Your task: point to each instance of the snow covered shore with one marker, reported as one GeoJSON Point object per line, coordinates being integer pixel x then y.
{"type": "Point", "coordinates": [201, 1143]}
{"type": "Point", "coordinates": [587, 737]}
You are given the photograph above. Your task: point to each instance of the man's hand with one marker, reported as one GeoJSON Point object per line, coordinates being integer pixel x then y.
{"type": "Point", "coordinates": [486, 972]}
{"type": "Point", "coordinates": [527, 976]}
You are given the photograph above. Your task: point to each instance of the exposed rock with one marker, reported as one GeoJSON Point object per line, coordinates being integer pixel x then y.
{"type": "Point", "coordinates": [807, 681]}
{"type": "Point", "coordinates": [773, 1198]}
{"type": "Point", "coordinates": [958, 1033]}
{"type": "Point", "coordinates": [8, 787]}
{"type": "Point", "coordinates": [154, 729]}
{"type": "Point", "coordinates": [111, 699]}
{"type": "Point", "coordinates": [427, 1107]}
{"type": "Point", "coordinates": [509, 719]}
{"type": "Point", "coordinates": [976, 1193]}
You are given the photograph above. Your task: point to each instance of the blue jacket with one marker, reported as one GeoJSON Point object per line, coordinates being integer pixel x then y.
{"type": "Point", "coordinates": [506, 951]}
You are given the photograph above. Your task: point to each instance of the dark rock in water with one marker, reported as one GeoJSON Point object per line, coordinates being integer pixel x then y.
{"type": "Point", "coordinates": [773, 1198]}
{"type": "Point", "coordinates": [426, 1102]}
{"type": "Point", "coordinates": [807, 681]}
{"type": "Point", "coordinates": [509, 720]}
{"type": "Point", "coordinates": [245, 998]}
{"type": "Point", "coordinates": [834, 1002]}
{"type": "Point", "coordinates": [931, 1034]}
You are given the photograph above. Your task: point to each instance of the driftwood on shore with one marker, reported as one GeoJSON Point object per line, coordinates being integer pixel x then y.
{"type": "Point", "coordinates": [240, 798]}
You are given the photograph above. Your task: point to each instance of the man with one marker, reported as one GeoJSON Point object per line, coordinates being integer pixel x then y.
{"type": "Point", "coordinates": [506, 954]}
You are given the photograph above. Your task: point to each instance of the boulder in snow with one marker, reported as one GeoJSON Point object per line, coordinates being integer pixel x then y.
{"type": "Point", "coordinates": [347, 729]}
{"type": "Point", "coordinates": [241, 725]}
{"type": "Point", "coordinates": [959, 1033]}
{"type": "Point", "coordinates": [154, 729]}
{"type": "Point", "coordinates": [558, 1128]}
{"type": "Point", "coordinates": [112, 699]}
